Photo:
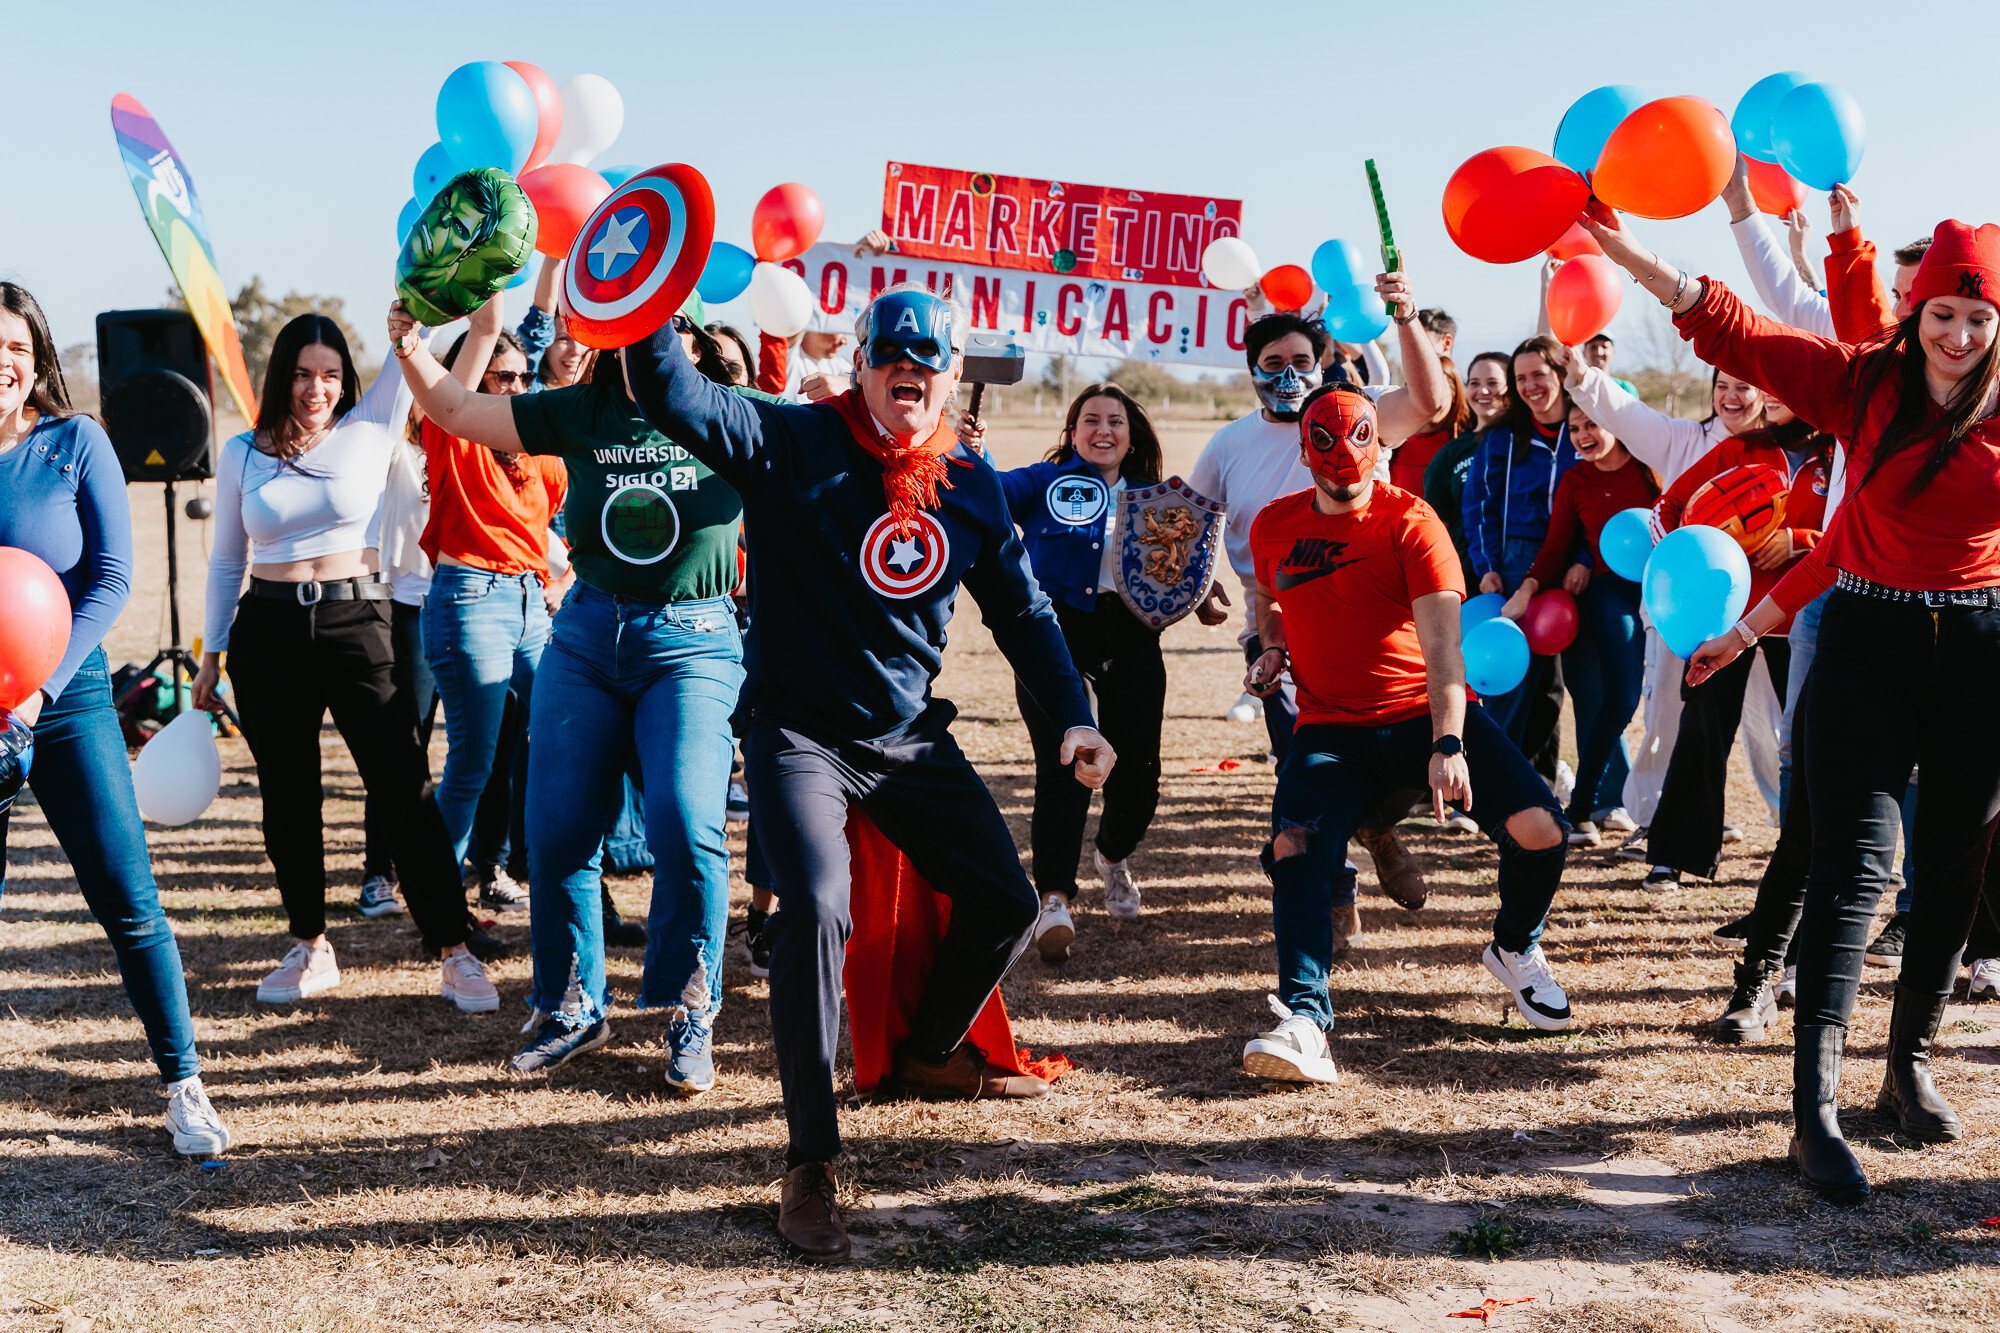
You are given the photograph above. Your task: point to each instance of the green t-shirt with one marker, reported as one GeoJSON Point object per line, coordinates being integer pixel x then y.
{"type": "Point", "coordinates": [644, 519]}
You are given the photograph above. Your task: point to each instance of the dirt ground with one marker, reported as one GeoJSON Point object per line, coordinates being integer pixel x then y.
{"type": "Point", "coordinates": [388, 1174]}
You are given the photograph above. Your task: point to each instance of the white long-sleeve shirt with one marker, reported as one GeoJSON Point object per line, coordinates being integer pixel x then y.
{"type": "Point", "coordinates": [1668, 445]}
{"type": "Point", "coordinates": [1776, 279]}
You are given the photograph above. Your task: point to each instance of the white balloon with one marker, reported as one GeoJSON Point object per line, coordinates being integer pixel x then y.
{"type": "Point", "coordinates": [1230, 263]}
{"type": "Point", "coordinates": [780, 302]}
{"type": "Point", "coordinates": [178, 774]}
{"type": "Point", "coordinates": [593, 116]}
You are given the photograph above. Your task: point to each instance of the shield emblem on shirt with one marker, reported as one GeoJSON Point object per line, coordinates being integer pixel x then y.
{"type": "Point", "coordinates": [1167, 534]}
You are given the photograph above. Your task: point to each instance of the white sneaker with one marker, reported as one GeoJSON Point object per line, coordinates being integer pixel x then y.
{"type": "Point", "coordinates": [1054, 931]}
{"type": "Point", "coordinates": [1984, 984]}
{"type": "Point", "coordinates": [1454, 822]}
{"type": "Point", "coordinates": [1634, 847]}
{"type": "Point", "coordinates": [191, 1119]}
{"type": "Point", "coordinates": [1564, 786]}
{"type": "Point", "coordinates": [1295, 1051]}
{"type": "Point", "coordinates": [1731, 834]}
{"type": "Point", "coordinates": [1121, 895]}
{"type": "Point", "coordinates": [1787, 990]}
{"type": "Point", "coordinates": [378, 897]}
{"type": "Point", "coordinates": [1585, 834]}
{"type": "Point", "coordinates": [1528, 979]}
{"type": "Point", "coordinates": [1247, 708]}
{"type": "Point", "coordinates": [1615, 820]}
{"type": "Point", "coordinates": [306, 971]}
{"type": "Point", "coordinates": [465, 984]}
{"type": "Point", "coordinates": [502, 892]}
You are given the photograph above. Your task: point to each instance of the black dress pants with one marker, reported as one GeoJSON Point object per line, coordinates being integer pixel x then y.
{"type": "Point", "coordinates": [1687, 826]}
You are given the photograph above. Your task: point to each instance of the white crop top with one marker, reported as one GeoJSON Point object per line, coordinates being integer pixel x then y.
{"type": "Point", "coordinates": [325, 501]}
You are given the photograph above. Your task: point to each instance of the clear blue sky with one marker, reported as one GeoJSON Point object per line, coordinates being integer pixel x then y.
{"type": "Point", "coordinates": [300, 125]}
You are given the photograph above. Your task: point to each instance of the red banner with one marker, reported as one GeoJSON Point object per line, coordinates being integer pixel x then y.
{"type": "Point", "coordinates": [1076, 231]}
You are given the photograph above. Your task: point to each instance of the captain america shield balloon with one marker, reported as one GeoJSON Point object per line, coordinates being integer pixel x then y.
{"type": "Point", "coordinates": [638, 257]}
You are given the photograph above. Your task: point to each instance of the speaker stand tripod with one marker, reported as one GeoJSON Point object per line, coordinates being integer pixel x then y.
{"type": "Point", "coordinates": [175, 656]}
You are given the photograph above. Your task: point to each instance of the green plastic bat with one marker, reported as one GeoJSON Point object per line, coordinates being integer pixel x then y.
{"type": "Point", "coordinates": [1392, 258]}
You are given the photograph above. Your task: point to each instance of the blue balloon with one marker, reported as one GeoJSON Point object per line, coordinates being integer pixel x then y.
{"type": "Point", "coordinates": [1496, 656]}
{"type": "Point", "coordinates": [1627, 542]}
{"type": "Point", "coordinates": [1478, 610]}
{"type": "Point", "coordinates": [1818, 134]}
{"type": "Point", "coordinates": [412, 210]}
{"type": "Point", "coordinates": [519, 277]}
{"type": "Point", "coordinates": [727, 272]}
{"type": "Point", "coordinates": [1353, 313]}
{"type": "Point", "coordinates": [1696, 586]}
{"type": "Point", "coordinates": [434, 168]}
{"type": "Point", "coordinates": [617, 176]}
{"type": "Point", "coordinates": [486, 117]}
{"type": "Point", "coordinates": [1752, 121]}
{"type": "Point", "coordinates": [1589, 121]}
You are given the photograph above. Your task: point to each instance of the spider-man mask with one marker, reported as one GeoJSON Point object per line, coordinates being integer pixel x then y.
{"type": "Point", "coordinates": [1341, 438]}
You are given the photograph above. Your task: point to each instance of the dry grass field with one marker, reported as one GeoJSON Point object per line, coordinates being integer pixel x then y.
{"type": "Point", "coordinates": [389, 1175]}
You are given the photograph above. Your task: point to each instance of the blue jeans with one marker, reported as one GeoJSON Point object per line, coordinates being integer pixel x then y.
{"type": "Point", "coordinates": [84, 784]}
{"type": "Point", "coordinates": [483, 636]}
{"type": "Point", "coordinates": [1605, 669]}
{"type": "Point", "coordinates": [663, 679]}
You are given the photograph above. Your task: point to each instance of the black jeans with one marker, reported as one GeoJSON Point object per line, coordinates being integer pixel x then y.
{"type": "Point", "coordinates": [1119, 657]}
{"type": "Point", "coordinates": [1687, 827]}
{"type": "Point", "coordinates": [1896, 685]}
{"type": "Point", "coordinates": [1541, 729]}
{"type": "Point", "coordinates": [922, 792]}
{"type": "Point", "coordinates": [290, 665]}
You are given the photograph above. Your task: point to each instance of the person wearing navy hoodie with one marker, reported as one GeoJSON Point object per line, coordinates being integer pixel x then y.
{"type": "Point", "coordinates": [866, 516]}
{"type": "Point", "coordinates": [62, 498]}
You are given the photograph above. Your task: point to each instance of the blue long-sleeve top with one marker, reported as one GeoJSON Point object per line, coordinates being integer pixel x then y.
{"type": "Point", "coordinates": [1508, 491]}
{"type": "Point", "coordinates": [847, 617]}
{"type": "Point", "coordinates": [62, 497]}
{"type": "Point", "coordinates": [1065, 514]}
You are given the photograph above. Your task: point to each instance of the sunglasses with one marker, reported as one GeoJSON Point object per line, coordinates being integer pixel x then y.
{"type": "Point", "coordinates": [507, 378]}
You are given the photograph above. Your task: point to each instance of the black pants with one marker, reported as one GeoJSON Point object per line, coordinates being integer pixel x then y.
{"type": "Point", "coordinates": [1687, 826]}
{"type": "Point", "coordinates": [290, 665]}
{"type": "Point", "coordinates": [1541, 733]}
{"type": "Point", "coordinates": [1896, 685]}
{"type": "Point", "coordinates": [1781, 892]}
{"type": "Point", "coordinates": [922, 792]}
{"type": "Point", "coordinates": [1119, 657]}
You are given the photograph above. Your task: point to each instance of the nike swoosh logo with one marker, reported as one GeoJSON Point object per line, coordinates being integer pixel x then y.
{"type": "Point", "coordinates": [1292, 578]}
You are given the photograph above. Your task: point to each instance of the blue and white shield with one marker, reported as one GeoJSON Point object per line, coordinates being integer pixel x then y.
{"type": "Point", "coordinates": [1168, 534]}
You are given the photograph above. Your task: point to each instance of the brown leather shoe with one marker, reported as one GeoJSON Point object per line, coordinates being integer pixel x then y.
{"type": "Point", "coordinates": [964, 1075]}
{"type": "Point", "coordinates": [808, 1218]}
{"type": "Point", "coordinates": [1395, 869]}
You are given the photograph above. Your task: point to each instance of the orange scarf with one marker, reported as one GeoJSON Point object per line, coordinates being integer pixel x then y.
{"type": "Point", "coordinates": [912, 472]}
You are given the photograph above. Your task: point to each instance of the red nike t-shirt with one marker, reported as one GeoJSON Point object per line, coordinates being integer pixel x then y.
{"type": "Point", "coordinates": [1344, 583]}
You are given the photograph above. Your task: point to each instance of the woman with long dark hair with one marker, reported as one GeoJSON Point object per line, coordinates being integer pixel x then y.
{"type": "Point", "coordinates": [299, 503]}
{"type": "Point", "coordinates": [62, 497]}
{"type": "Point", "coordinates": [1908, 650]}
{"type": "Point", "coordinates": [1066, 507]}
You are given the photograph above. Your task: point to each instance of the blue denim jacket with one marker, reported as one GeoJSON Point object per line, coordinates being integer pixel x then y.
{"type": "Point", "coordinates": [1064, 513]}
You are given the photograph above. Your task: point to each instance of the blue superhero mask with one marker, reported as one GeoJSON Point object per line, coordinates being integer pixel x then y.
{"type": "Point", "coordinates": [912, 325]}
{"type": "Point", "coordinates": [1284, 391]}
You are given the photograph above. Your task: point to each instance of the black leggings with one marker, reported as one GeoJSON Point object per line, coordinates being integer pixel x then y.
{"type": "Point", "coordinates": [1896, 685]}
{"type": "Point", "coordinates": [1120, 658]}
{"type": "Point", "coordinates": [1687, 827]}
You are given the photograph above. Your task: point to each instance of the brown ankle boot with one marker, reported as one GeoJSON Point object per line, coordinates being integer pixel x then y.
{"type": "Point", "coordinates": [808, 1218]}
{"type": "Point", "coordinates": [1396, 870]}
{"type": "Point", "coordinates": [964, 1075]}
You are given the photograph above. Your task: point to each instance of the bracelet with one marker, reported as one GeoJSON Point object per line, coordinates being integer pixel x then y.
{"type": "Point", "coordinates": [399, 347]}
{"type": "Point", "coordinates": [1680, 290]}
{"type": "Point", "coordinates": [1745, 633]}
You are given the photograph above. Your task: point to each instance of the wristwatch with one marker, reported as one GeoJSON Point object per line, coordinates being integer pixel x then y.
{"type": "Point", "coordinates": [1447, 746]}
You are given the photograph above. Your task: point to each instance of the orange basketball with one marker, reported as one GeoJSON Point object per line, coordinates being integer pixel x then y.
{"type": "Point", "coordinates": [1746, 502]}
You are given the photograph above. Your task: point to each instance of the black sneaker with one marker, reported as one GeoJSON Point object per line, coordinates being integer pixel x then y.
{"type": "Point", "coordinates": [485, 945]}
{"type": "Point", "coordinates": [556, 1044]}
{"type": "Point", "coordinates": [1888, 946]}
{"type": "Point", "coordinates": [1661, 879]}
{"type": "Point", "coordinates": [757, 930]}
{"type": "Point", "coordinates": [618, 932]}
{"type": "Point", "coordinates": [1739, 929]}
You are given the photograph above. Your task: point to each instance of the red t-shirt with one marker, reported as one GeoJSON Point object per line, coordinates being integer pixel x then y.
{"type": "Point", "coordinates": [1585, 499]}
{"type": "Point", "coordinates": [485, 513]}
{"type": "Point", "coordinates": [1407, 464]}
{"type": "Point", "coordinates": [1345, 583]}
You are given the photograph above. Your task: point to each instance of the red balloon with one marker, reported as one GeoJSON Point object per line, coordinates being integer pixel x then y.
{"type": "Point", "coordinates": [1509, 204]}
{"type": "Point", "coordinates": [564, 196]}
{"type": "Point", "coordinates": [1288, 287]}
{"type": "Point", "coordinates": [1576, 241]}
{"type": "Point", "coordinates": [1774, 189]}
{"type": "Point", "coordinates": [34, 625]}
{"type": "Point", "coordinates": [1668, 159]}
{"type": "Point", "coordinates": [1583, 296]}
{"type": "Point", "coordinates": [548, 112]}
{"type": "Point", "coordinates": [1550, 622]}
{"type": "Point", "coordinates": [786, 222]}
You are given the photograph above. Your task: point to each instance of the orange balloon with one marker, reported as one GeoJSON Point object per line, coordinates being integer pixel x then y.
{"type": "Point", "coordinates": [1583, 296]}
{"type": "Point", "coordinates": [1509, 204]}
{"type": "Point", "coordinates": [1576, 241]}
{"type": "Point", "coordinates": [1774, 189]}
{"type": "Point", "coordinates": [1288, 287]}
{"type": "Point", "coordinates": [1668, 159]}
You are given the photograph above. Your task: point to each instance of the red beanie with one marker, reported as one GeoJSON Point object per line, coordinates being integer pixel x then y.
{"type": "Point", "coordinates": [1962, 261]}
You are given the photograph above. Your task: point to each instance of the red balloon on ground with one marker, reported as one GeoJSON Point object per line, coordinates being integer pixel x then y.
{"type": "Point", "coordinates": [1576, 241]}
{"type": "Point", "coordinates": [1774, 189]}
{"type": "Point", "coordinates": [1550, 622]}
{"type": "Point", "coordinates": [1509, 204]}
{"type": "Point", "coordinates": [1668, 159]}
{"type": "Point", "coordinates": [548, 112]}
{"type": "Point", "coordinates": [1288, 287]}
{"type": "Point", "coordinates": [564, 196]}
{"type": "Point", "coordinates": [34, 625]}
{"type": "Point", "coordinates": [1583, 296]}
{"type": "Point", "coordinates": [786, 222]}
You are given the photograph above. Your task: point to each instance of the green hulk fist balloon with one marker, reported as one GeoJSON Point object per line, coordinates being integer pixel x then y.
{"type": "Point", "coordinates": [475, 236]}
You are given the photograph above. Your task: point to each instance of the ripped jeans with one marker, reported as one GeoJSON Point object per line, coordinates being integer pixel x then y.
{"type": "Point", "coordinates": [1333, 776]}
{"type": "Point", "coordinates": [622, 676]}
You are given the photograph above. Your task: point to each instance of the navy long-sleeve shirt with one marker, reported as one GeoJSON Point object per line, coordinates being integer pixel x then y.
{"type": "Point", "coordinates": [847, 623]}
{"type": "Point", "coordinates": [62, 497]}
